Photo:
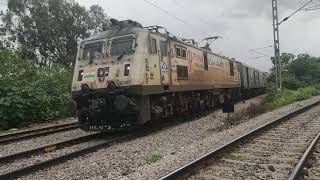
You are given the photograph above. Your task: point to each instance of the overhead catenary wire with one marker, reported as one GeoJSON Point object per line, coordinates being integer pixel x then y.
{"type": "Point", "coordinates": [176, 18]}
{"type": "Point", "coordinates": [182, 7]}
{"type": "Point", "coordinates": [166, 12]}
{"type": "Point", "coordinates": [295, 12]}
{"type": "Point", "coordinates": [316, 7]}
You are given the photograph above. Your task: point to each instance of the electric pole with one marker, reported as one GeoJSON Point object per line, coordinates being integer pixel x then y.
{"type": "Point", "coordinates": [278, 65]}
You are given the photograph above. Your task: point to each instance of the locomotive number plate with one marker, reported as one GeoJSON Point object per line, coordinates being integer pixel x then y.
{"type": "Point", "coordinates": [96, 127]}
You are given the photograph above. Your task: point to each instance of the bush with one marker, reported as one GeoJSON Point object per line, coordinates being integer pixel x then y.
{"type": "Point", "coordinates": [291, 82]}
{"type": "Point", "coordinates": [31, 94]}
{"type": "Point", "coordinates": [275, 100]}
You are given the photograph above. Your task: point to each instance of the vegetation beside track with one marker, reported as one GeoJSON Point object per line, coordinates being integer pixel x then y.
{"type": "Point", "coordinates": [301, 80]}
{"type": "Point", "coordinates": [29, 93]}
{"type": "Point", "coordinates": [154, 158]}
{"type": "Point", "coordinates": [38, 45]}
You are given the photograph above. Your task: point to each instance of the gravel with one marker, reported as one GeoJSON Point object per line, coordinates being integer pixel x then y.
{"type": "Point", "coordinates": [176, 146]}
{"type": "Point", "coordinates": [20, 163]}
{"type": "Point", "coordinates": [247, 161]}
{"type": "Point", "coordinates": [28, 144]}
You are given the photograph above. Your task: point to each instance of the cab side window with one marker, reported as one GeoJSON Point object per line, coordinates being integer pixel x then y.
{"type": "Point", "coordinates": [154, 49]}
{"type": "Point", "coordinates": [181, 52]}
{"type": "Point", "coordinates": [231, 69]}
{"type": "Point", "coordinates": [178, 51]}
{"type": "Point", "coordinates": [163, 48]}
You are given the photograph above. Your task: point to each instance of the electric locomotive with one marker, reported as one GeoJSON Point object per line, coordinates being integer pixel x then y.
{"type": "Point", "coordinates": [129, 75]}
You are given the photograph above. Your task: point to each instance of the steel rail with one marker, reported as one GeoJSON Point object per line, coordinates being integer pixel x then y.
{"type": "Point", "coordinates": [48, 148]}
{"type": "Point", "coordinates": [9, 138]}
{"type": "Point", "coordinates": [297, 169]}
{"type": "Point", "coordinates": [57, 160]}
{"type": "Point", "coordinates": [184, 170]}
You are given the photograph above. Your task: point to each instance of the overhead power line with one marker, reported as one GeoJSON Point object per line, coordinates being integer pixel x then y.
{"type": "Point", "coordinates": [301, 8]}
{"type": "Point", "coordinates": [166, 12]}
{"type": "Point", "coordinates": [261, 48]}
{"type": "Point", "coordinates": [198, 18]}
{"type": "Point", "coordinates": [316, 7]}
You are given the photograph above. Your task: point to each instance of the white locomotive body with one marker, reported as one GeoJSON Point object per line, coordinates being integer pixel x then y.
{"type": "Point", "coordinates": [129, 75]}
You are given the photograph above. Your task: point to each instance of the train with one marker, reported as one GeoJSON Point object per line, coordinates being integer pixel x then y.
{"type": "Point", "coordinates": [129, 75]}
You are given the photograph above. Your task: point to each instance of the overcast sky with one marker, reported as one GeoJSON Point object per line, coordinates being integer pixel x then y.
{"type": "Point", "coordinates": [243, 24]}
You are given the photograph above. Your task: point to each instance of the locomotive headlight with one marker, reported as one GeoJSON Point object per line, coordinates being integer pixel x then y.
{"type": "Point", "coordinates": [80, 75]}
{"type": "Point", "coordinates": [100, 72]}
{"type": "Point", "coordinates": [103, 71]}
{"type": "Point", "coordinates": [126, 69]}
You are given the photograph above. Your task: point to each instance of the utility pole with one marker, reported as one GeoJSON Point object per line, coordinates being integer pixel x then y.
{"type": "Point", "coordinates": [278, 65]}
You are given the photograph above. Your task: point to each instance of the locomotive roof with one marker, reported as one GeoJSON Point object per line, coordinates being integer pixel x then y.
{"type": "Point", "coordinates": [120, 28]}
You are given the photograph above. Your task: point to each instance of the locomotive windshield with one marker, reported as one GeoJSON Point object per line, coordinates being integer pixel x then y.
{"type": "Point", "coordinates": [92, 50]}
{"type": "Point", "coordinates": [122, 46]}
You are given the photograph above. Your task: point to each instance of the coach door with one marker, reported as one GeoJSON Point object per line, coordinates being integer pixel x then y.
{"type": "Point", "coordinates": [164, 60]}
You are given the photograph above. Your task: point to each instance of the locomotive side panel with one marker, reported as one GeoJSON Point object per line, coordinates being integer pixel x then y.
{"type": "Point", "coordinates": [190, 69]}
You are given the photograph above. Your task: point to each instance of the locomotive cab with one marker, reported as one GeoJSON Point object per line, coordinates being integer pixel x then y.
{"type": "Point", "coordinates": [105, 67]}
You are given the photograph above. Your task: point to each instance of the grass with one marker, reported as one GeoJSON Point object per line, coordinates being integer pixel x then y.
{"type": "Point", "coordinates": [154, 158]}
{"type": "Point", "coordinates": [271, 102]}
{"type": "Point", "coordinates": [274, 100]}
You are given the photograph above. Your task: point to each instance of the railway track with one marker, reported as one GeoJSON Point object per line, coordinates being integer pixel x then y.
{"type": "Point", "coordinates": [22, 163]}
{"type": "Point", "coordinates": [308, 166]}
{"type": "Point", "coordinates": [268, 152]}
{"type": "Point", "coordinates": [9, 138]}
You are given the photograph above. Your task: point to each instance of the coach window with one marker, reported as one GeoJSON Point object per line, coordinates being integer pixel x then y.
{"type": "Point", "coordinates": [182, 72]}
{"type": "Point", "coordinates": [254, 77]}
{"type": "Point", "coordinates": [154, 49]}
{"type": "Point", "coordinates": [231, 69]}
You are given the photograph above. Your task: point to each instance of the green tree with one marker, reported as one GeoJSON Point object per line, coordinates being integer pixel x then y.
{"type": "Point", "coordinates": [98, 18]}
{"type": "Point", "coordinates": [285, 58]}
{"type": "Point", "coordinates": [47, 31]}
{"type": "Point", "coordinates": [299, 71]}
{"type": "Point", "coordinates": [306, 68]}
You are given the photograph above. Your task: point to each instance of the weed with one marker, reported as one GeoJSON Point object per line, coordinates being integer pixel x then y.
{"type": "Point", "coordinates": [154, 158]}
